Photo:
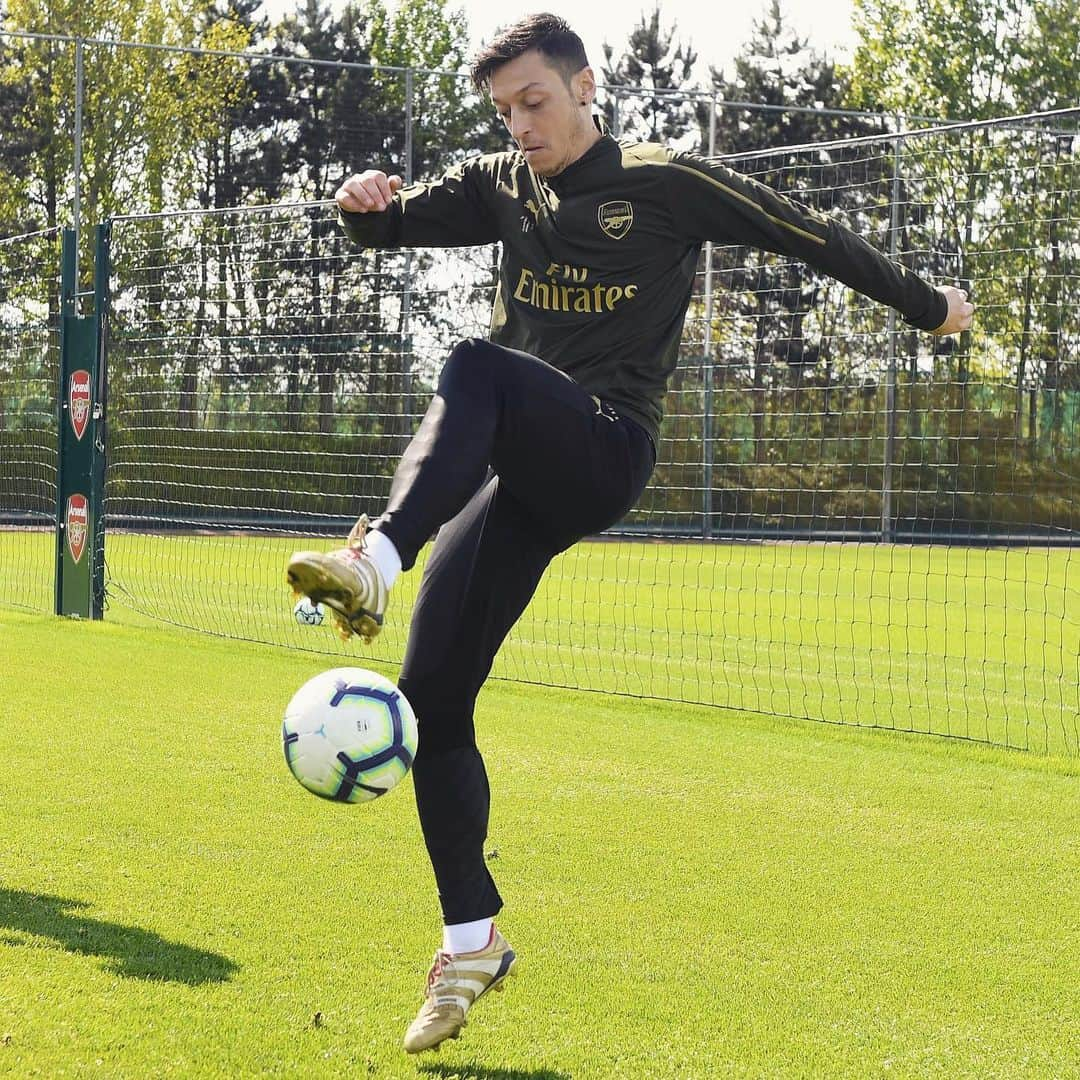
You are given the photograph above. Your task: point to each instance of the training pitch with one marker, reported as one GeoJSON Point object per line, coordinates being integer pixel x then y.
{"type": "Point", "coordinates": [693, 892]}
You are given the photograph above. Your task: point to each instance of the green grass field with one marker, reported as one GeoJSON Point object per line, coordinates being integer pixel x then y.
{"type": "Point", "coordinates": [976, 643]}
{"type": "Point", "coordinates": [694, 892]}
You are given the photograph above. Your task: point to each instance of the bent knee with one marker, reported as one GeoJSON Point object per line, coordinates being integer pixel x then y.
{"type": "Point", "coordinates": [469, 361]}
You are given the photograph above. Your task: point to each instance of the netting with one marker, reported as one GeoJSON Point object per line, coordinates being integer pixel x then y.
{"type": "Point", "coordinates": [29, 373]}
{"type": "Point", "coordinates": [849, 521]}
{"type": "Point", "coordinates": [264, 379]}
{"type": "Point", "coordinates": [944, 470]}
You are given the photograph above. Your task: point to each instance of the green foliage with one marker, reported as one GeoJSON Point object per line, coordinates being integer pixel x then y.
{"type": "Point", "coordinates": [780, 69]}
{"type": "Point", "coordinates": [140, 109]}
{"type": "Point", "coordinates": [654, 63]}
{"type": "Point", "coordinates": [1050, 56]}
{"type": "Point", "coordinates": [775, 321]}
{"type": "Point", "coordinates": [966, 59]}
{"type": "Point", "coordinates": [449, 120]}
{"type": "Point", "coordinates": [807, 456]}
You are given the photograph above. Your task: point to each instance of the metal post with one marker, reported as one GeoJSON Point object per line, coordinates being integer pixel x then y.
{"type": "Point", "coordinates": [616, 119]}
{"type": "Point", "coordinates": [408, 125]}
{"type": "Point", "coordinates": [80, 86]}
{"type": "Point", "coordinates": [887, 528]}
{"type": "Point", "coordinates": [707, 361]}
{"type": "Point", "coordinates": [406, 290]}
{"type": "Point", "coordinates": [99, 416]}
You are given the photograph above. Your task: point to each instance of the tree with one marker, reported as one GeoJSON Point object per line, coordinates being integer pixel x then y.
{"type": "Point", "coordinates": [1049, 71]}
{"type": "Point", "coordinates": [953, 59]}
{"type": "Point", "coordinates": [656, 64]}
{"type": "Point", "coordinates": [991, 195]}
{"type": "Point", "coordinates": [22, 209]}
{"type": "Point", "coordinates": [140, 105]}
{"type": "Point", "coordinates": [785, 308]}
{"type": "Point", "coordinates": [448, 122]}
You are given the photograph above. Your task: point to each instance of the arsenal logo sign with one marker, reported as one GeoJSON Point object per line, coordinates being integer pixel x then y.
{"type": "Point", "coordinates": [77, 522]}
{"type": "Point", "coordinates": [79, 402]}
{"type": "Point", "coordinates": [616, 218]}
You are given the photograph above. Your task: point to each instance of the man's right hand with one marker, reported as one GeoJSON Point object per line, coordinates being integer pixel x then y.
{"type": "Point", "coordinates": [367, 192]}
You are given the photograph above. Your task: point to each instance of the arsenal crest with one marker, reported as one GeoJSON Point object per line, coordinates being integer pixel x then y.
{"type": "Point", "coordinates": [616, 218]}
{"type": "Point", "coordinates": [77, 522]}
{"type": "Point", "coordinates": [79, 402]}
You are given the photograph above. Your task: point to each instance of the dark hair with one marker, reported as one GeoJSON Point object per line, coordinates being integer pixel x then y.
{"type": "Point", "coordinates": [547, 34]}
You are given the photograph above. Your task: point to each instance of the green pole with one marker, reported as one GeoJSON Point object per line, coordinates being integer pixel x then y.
{"type": "Point", "coordinates": [68, 247]}
{"type": "Point", "coordinates": [81, 441]}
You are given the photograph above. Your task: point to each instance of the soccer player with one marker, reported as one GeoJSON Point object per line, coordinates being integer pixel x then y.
{"type": "Point", "coordinates": [546, 432]}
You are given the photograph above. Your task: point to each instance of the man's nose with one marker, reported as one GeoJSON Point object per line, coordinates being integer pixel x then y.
{"type": "Point", "coordinates": [519, 124]}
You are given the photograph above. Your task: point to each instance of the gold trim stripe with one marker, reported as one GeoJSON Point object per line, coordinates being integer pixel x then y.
{"type": "Point", "coordinates": [749, 202]}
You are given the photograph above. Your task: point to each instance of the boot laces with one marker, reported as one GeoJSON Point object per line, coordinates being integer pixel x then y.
{"type": "Point", "coordinates": [358, 533]}
{"type": "Point", "coordinates": [439, 965]}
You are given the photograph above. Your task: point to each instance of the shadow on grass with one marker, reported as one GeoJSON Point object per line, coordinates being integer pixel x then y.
{"type": "Point", "coordinates": [135, 953]}
{"type": "Point", "coordinates": [483, 1072]}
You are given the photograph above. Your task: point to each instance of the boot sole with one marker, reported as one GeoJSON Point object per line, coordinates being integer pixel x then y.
{"type": "Point", "coordinates": [307, 576]}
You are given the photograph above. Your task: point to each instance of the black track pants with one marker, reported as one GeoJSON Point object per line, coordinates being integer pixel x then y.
{"type": "Point", "coordinates": [516, 463]}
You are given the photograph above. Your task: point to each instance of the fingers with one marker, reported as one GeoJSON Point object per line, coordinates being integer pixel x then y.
{"type": "Point", "coordinates": [963, 311]}
{"type": "Point", "coordinates": [367, 192]}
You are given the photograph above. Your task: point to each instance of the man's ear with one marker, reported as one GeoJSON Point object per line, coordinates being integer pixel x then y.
{"type": "Point", "coordinates": [583, 86]}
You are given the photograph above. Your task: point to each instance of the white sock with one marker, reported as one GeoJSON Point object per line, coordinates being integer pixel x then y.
{"type": "Point", "coordinates": [466, 936]}
{"type": "Point", "coordinates": [380, 549]}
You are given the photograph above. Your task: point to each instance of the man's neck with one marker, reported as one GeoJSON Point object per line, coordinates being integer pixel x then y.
{"type": "Point", "coordinates": [589, 137]}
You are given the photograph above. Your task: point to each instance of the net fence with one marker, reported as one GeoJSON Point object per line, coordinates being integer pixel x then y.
{"type": "Point", "coordinates": [29, 375]}
{"type": "Point", "coordinates": [848, 522]}
{"type": "Point", "coordinates": [264, 379]}
{"type": "Point", "coordinates": [940, 474]}
{"type": "Point", "coordinates": [99, 128]}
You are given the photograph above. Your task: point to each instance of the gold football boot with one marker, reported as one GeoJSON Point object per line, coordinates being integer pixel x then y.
{"type": "Point", "coordinates": [346, 581]}
{"type": "Point", "coordinates": [454, 984]}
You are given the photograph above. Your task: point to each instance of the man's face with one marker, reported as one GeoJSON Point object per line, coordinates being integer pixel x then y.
{"type": "Point", "coordinates": [548, 120]}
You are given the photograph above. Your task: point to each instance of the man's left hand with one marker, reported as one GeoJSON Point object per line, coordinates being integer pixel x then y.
{"type": "Point", "coordinates": [961, 312]}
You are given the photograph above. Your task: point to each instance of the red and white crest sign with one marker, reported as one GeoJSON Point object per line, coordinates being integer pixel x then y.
{"type": "Point", "coordinates": [77, 522]}
{"type": "Point", "coordinates": [79, 398]}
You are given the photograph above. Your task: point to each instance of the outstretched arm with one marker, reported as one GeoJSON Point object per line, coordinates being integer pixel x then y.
{"type": "Point", "coordinates": [709, 201]}
{"type": "Point", "coordinates": [378, 210]}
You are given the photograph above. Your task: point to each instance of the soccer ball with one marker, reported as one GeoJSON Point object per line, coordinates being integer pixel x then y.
{"type": "Point", "coordinates": [308, 614]}
{"type": "Point", "coordinates": [349, 735]}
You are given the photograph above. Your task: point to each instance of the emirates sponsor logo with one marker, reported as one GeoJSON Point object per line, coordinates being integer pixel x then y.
{"type": "Point", "coordinates": [581, 299]}
{"type": "Point", "coordinates": [79, 398]}
{"type": "Point", "coordinates": [77, 522]}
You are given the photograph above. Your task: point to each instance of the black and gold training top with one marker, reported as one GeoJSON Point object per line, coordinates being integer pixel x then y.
{"type": "Point", "coordinates": [598, 262]}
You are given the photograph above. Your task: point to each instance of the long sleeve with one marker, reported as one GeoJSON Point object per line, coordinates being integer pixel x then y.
{"type": "Point", "coordinates": [454, 211]}
{"type": "Point", "coordinates": [712, 202]}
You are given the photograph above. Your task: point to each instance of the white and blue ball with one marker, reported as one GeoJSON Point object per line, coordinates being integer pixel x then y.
{"type": "Point", "coordinates": [308, 614]}
{"type": "Point", "coordinates": [349, 735]}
